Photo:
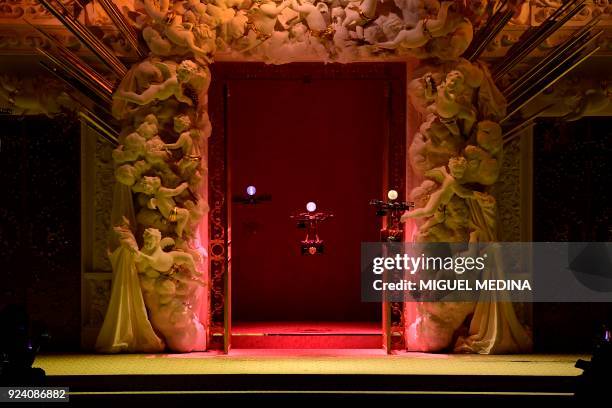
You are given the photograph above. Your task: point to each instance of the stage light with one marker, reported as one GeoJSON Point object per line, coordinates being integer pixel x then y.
{"type": "Point", "coordinates": [311, 206]}
{"type": "Point", "coordinates": [251, 190]}
{"type": "Point", "coordinates": [392, 195]}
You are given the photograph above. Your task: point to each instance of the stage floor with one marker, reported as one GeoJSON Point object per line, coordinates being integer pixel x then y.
{"type": "Point", "coordinates": [313, 361]}
{"type": "Point", "coordinates": [360, 374]}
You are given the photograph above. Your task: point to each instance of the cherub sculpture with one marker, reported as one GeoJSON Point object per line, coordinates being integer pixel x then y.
{"type": "Point", "coordinates": [161, 198]}
{"type": "Point", "coordinates": [169, 281]}
{"type": "Point", "coordinates": [149, 127]}
{"type": "Point", "coordinates": [172, 86]}
{"type": "Point", "coordinates": [451, 46]}
{"type": "Point", "coordinates": [313, 15]}
{"type": "Point", "coordinates": [484, 159]}
{"type": "Point", "coordinates": [189, 142]}
{"type": "Point", "coordinates": [156, 153]}
{"type": "Point", "coordinates": [157, 9]}
{"type": "Point", "coordinates": [263, 16]}
{"type": "Point", "coordinates": [129, 174]}
{"type": "Point", "coordinates": [449, 104]}
{"type": "Point", "coordinates": [183, 34]}
{"type": "Point", "coordinates": [160, 45]}
{"type": "Point", "coordinates": [199, 13]}
{"type": "Point", "coordinates": [153, 256]}
{"type": "Point", "coordinates": [196, 212]}
{"type": "Point", "coordinates": [433, 145]}
{"type": "Point", "coordinates": [448, 225]}
{"type": "Point", "coordinates": [425, 30]}
{"type": "Point", "coordinates": [262, 19]}
{"type": "Point", "coordinates": [359, 12]}
{"type": "Point", "coordinates": [132, 149]}
{"type": "Point", "coordinates": [222, 14]}
{"type": "Point", "coordinates": [449, 187]}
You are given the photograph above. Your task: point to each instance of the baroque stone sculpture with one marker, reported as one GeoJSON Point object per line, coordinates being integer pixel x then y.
{"type": "Point", "coordinates": [161, 165]}
{"type": "Point", "coordinates": [458, 153]}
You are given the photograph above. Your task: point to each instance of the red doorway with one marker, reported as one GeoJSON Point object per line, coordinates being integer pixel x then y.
{"type": "Point", "coordinates": [305, 132]}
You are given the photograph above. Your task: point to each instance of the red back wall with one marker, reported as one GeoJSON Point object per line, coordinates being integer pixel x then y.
{"type": "Point", "coordinates": [303, 140]}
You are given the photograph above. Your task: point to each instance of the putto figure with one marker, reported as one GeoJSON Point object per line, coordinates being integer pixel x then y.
{"type": "Point", "coordinates": [162, 199]}
{"type": "Point", "coordinates": [173, 86]}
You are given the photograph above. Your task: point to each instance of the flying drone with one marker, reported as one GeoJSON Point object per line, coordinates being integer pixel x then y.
{"type": "Point", "coordinates": [310, 221]}
{"type": "Point", "coordinates": [251, 197]}
{"type": "Point", "coordinates": [394, 210]}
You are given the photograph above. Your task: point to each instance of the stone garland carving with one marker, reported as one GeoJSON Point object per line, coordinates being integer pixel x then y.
{"type": "Point", "coordinates": [162, 105]}
{"type": "Point", "coordinates": [574, 97]}
{"type": "Point", "coordinates": [30, 9]}
{"type": "Point", "coordinates": [593, 8]}
{"type": "Point", "coordinates": [23, 96]}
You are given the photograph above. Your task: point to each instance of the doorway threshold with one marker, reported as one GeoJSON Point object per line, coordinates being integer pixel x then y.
{"type": "Point", "coordinates": [306, 335]}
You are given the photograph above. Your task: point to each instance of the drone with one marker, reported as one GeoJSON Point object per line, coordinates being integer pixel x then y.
{"type": "Point", "coordinates": [310, 221]}
{"type": "Point", "coordinates": [393, 209]}
{"type": "Point", "coordinates": [251, 197]}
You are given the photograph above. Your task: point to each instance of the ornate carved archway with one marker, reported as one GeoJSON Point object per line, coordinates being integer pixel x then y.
{"type": "Point", "coordinates": [161, 103]}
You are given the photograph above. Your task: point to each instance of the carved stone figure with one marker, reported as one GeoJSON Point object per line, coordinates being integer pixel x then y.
{"type": "Point", "coordinates": [263, 17]}
{"type": "Point", "coordinates": [189, 142]}
{"type": "Point", "coordinates": [424, 31]}
{"type": "Point", "coordinates": [313, 15]}
{"type": "Point", "coordinates": [129, 174]}
{"type": "Point", "coordinates": [449, 186]}
{"type": "Point", "coordinates": [360, 12]}
{"type": "Point", "coordinates": [34, 97]}
{"type": "Point", "coordinates": [184, 35]}
{"type": "Point", "coordinates": [173, 86]}
{"type": "Point", "coordinates": [161, 46]}
{"type": "Point", "coordinates": [131, 150]}
{"type": "Point", "coordinates": [484, 160]}
{"type": "Point", "coordinates": [450, 107]}
{"type": "Point", "coordinates": [168, 279]}
{"type": "Point", "coordinates": [161, 198]}
{"type": "Point", "coordinates": [126, 325]}
{"type": "Point", "coordinates": [153, 256]}
{"type": "Point", "coordinates": [433, 145]}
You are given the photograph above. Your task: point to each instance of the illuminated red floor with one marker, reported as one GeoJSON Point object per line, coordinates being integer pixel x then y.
{"type": "Point", "coordinates": [306, 335]}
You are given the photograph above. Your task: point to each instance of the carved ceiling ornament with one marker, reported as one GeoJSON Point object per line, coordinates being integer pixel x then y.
{"type": "Point", "coordinates": [593, 8]}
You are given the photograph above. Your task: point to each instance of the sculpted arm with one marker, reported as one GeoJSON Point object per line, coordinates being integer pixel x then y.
{"type": "Point", "coordinates": [158, 91]}
{"type": "Point", "coordinates": [183, 142]}
{"type": "Point", "coordinates": [430, 208]}
{"type": "Point", "coordinates": [157, 9]}
{"type": "Point", "coordinates": [171, 192]}
{"type": "Point", "coordinates": [270, 10]}
{"type": "Point", "coordinates": [301, 8]}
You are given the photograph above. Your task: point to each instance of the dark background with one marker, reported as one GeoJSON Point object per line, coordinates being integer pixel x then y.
{"type": "Point", "coordinates": [572, 202]}
{"type": "Point", "coordinates": [40, 243]}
